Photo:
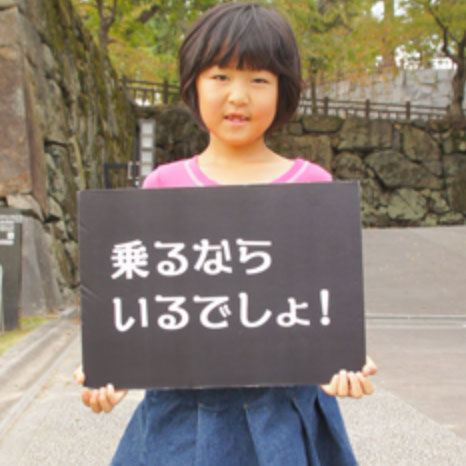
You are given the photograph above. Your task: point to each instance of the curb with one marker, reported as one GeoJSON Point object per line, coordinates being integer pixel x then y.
{"type": "Point", "coordinates": [33, 344]}
{"type": "Point", "coordinates": [25, 367]}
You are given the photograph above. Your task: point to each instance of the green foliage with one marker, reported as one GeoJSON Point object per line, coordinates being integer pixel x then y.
{"type": "Point", "coordinates": [145, 35]}
{"type": "Point", "coordinates": [433, 24]}
{"type": "Point", "coordinates": [336, 37]}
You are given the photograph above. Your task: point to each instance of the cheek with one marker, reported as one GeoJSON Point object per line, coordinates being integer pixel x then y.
{"type": "Point", "coordinates": [269, 107]}
{"type": "Point", "coordinates": [204, 102]}
{"type": "Point", "coordinates": [209, 107]}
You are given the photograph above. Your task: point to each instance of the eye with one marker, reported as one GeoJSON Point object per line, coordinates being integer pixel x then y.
{"type": "Point", "coordinates": [220, 77]}
{"type": "Point", "coordinates": [260, 80]}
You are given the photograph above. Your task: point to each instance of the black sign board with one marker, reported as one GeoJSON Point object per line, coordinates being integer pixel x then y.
{"type": "Point", "coordinates": [221, 286]}
{"type": "Point", "coordinates": [10, 267]}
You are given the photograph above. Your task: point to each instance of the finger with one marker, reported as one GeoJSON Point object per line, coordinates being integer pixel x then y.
{"type": "Point", "coordinates": [94, 402]}
{"type": "Point", "coordinates": [355, 390]}
{"type": "Point", "coordinates": [104, 400]}
{"type": "Point", "coordinates": [343, 384]}
{"type": "Point", "coordinates": [369, 368]}
{"type": "Point", "coordinates": [366, 384]}
{"type": "Point", "coordinates": [331, 388]}
{"type": "Point", "coordinates": [79, 376]}
{"type": "Point", "coordinates": [112, 394]}
{"type": "Point", "coordinates": [86, 396]}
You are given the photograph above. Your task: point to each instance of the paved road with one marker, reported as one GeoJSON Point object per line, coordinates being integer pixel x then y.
{"type": "Point", "coordinates": [415, 281]}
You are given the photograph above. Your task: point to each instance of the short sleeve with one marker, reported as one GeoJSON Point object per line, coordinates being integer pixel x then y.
{"type": "Point", "coordinates": [152, 180]}
{"type": "Point", "coordinates": [313, 173]}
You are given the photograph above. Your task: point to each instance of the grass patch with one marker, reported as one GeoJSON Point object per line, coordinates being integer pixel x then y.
{"type": "Point", "coordinates": [26, 325]}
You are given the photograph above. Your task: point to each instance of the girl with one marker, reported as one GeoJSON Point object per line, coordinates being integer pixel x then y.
{"type": "Point", "coordinates": [240, 76]}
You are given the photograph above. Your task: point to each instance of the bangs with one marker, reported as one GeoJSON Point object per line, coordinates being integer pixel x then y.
{"type": "Point", "coordinates": [245, 43]}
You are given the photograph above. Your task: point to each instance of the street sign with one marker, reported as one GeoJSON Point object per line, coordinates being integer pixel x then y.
{"type": "Point", "coordinates": [10, 267]}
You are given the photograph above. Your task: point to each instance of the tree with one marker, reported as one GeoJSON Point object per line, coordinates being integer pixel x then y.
{"type": "Point", "coordinates": [337, 38]}
{"type": "Point", "coordinates": [441, 29]}
{"type": "Point", "coordinates": [142, 37]}
{"type": "Point", "coordinates": [101, 15]}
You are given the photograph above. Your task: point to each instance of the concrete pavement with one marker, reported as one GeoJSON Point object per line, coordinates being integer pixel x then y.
{"type": "Point", "coordinates": [415, 286]}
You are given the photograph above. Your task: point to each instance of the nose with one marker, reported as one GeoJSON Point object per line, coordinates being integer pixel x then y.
{"type": "Point", "coordinates": [238, 94]}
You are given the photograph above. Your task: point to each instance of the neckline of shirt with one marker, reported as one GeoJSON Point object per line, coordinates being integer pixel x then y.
{"type": "Point", "coordinates": [201, 179]}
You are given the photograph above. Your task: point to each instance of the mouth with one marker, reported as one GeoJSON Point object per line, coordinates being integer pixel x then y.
{"type": "Point", "coordinates": [236, 117]}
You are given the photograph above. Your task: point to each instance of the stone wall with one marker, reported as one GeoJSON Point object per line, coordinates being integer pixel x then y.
{"type": "Point", "coordinates": [430, 87]}
{"type": "Point", "coordinates": [410, 173]}
{"type": "Point", "coordinates": [62, 117]}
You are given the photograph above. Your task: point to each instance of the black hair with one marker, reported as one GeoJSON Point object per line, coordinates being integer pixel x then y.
{"type": "Point", "coordinates": [253, 37]}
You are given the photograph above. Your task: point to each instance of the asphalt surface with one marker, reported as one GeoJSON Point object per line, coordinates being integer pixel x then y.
{"type": "Point", "coordinates": [415, 287]}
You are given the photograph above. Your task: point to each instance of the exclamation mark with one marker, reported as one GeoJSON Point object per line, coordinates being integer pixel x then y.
{"type": "Point", "coordinates": [325, 319]}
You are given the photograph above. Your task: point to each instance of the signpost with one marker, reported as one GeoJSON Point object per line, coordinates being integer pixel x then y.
{"type": "Point", "coordinates": [10, 267]}
{"type": "Point", "coordinates": [221, 286]}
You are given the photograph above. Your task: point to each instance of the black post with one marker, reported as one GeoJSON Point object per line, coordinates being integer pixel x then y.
{"type": "Point", "coordinates": [368, 108]}
{"type": "Point", "coordinates": [165, 91]}
{"type": "Point", "coordinates": [326, 101]}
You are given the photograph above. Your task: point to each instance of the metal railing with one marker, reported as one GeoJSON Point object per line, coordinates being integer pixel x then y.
{"type": "Point", "coordinates": [369, 109]}
{"type": "Point", "coordinates": [146, 93]}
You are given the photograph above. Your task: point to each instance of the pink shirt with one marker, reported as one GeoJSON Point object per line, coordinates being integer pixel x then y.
{"type": "Point", "coordinates": [186, 173]}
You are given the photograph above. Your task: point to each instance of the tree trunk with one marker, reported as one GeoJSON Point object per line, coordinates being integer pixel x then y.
{"type": "Point", "coordinates": [456, 111]}
{"type": "Point", "coordinates": [313, 70]}
{"type": "Point", "coordinates": [106, 21]}
{"type": "Point", "coordinates": [459, 79]}
{"type": "Point", "coordinates": [388, 17]}
{"type": "Point", "coordinates": [313, 94]}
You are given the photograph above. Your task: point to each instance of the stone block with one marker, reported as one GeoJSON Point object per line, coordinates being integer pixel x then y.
{"type": "Point", "coordinates": [434, 166]}
{"type": "Point", "coordinates": [407, 205]}
{"type": "Point", "coordinates": [36, 149]}
{"type": "Point", "coordinates": [418, 145]}
{"type": "Point", "coordinates": [55, 210]}
{"type": "Point", "coordinates": [374, 216]}
{"type": "Point", "coordinates": [451, 218]}
{"type": "Point", "coordinates": [15, 173]}
{"type": "Point", "coordinates": [39, 290]}
{"type": "Point", "coordinates": [362, 135]}
{"type": "Point", "coordinates": [438, 204]}
{"type": "Point", "coordinates": [430, 221]}
{"type": "Point", "coordinates": [371, 193]}
{"type": "Point", "coordinates": [454, 167]}
{"type": "Point", "coordinates": [349, 166]}
{"type": "Point", "coordinates": [316, 149]}
{"type": "Point", "coordinates": [63, 269]}
{"type": "Point", "coordinates": [321, 124]}
{"type": "Point", "coordinates": [26, 204]}
{"type": "Point", "coordinates": [395, 171]}
{"type": "Point", "coordinates": [456, 189]}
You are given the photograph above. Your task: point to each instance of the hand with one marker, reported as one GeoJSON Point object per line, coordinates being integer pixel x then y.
{"type": "Point", "coordinates": [352, 384]}
{"type": "Point", "coordinates": [103, 399]}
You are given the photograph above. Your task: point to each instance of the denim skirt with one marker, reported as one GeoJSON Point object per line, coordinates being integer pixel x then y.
{"type": "Point", "coordinates": [285, 426]}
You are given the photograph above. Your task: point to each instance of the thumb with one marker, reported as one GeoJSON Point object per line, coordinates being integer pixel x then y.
{"type": "Point", "coordinates": [79, 375]}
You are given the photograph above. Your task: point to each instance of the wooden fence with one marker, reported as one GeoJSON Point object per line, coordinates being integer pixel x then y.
{"type": "Point", "coordinates": [145, 93]}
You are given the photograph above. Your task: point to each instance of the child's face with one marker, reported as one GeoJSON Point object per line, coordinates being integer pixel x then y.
{"type": "Point", "coordinates": [237, 106]}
